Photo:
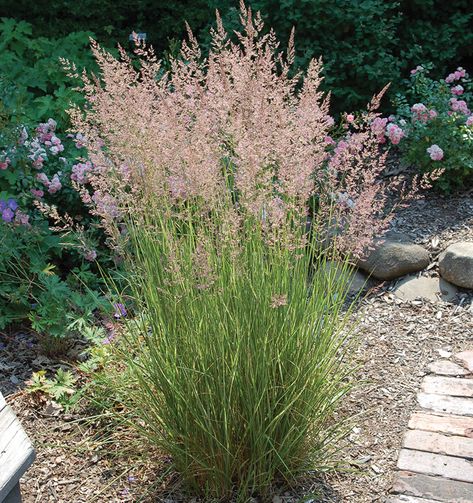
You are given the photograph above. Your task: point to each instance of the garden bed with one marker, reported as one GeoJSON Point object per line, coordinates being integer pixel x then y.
{"type": "Point", "coordinates": [79, 461]}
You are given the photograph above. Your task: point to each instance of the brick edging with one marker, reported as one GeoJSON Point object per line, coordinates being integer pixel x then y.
{"type": "Point", "coordinates": [436, 460]}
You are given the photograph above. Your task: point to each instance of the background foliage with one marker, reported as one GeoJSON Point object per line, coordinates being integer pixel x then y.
{"type": "Point", "coordinates": [35, 86]}
{"type": "Point", "coordinates": [46, 277]}
{"type": "Point", "coordinates": [365, 44]}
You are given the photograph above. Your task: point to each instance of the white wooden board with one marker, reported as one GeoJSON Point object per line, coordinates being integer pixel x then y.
{"type": "Point", "coordinates": [16, 451]}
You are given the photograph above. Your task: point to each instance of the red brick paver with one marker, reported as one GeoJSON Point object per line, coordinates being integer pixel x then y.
{"type": "Point", "coordinates": [438, 443]}
{"type": "Point", "coordinates": [436, 459]}
{"type": "Point", "coordinates": [447, 368]}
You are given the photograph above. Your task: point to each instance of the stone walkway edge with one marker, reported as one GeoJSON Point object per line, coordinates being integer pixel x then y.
{"type": "Point", "coordinates": [435, 463]}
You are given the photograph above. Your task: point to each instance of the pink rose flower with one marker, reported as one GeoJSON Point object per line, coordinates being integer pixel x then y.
{"type": "Point", "coordinates": [55, 185]}
{"type": "Point", "coordinates": [421, 113]}
{"type": "Point", "coordinates": [4, 164]}
{"type": "Point", "coordinates": [457, 90]}
{"type": "Point", "coordinates": [38, 193]}
{"type": "Point", "coordinates": [417, 69]}
{"type": "Point", "coordinates": [457, 75]}
{"type": "Point", "coordinates": [459, 106]}
{"type": "Point", "coordinates": [394, 133]}
{"type": "Point", "coordinates": [51, 124]}
{"type": "Point", "coordinates": [43, 178]}
{"type": "Point", "coordinates": [435, 152]}
{"type": "Point", "coordinates": [38, 163]}
{"type": "Point", "coordinates": [378, 127]}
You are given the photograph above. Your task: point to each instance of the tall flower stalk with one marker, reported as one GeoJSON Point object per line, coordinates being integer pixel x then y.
{"type": "Point", "coordinates": [234, 121]}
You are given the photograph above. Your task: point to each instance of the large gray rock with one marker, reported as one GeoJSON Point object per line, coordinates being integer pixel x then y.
{"type": "Point", "coordinates": [456, 264]}
{"type": "Point", "coordinates": [433, 289]}
{"type": "Point", "coordinates": [395, 255]}
{"type": "Point", "coordinates": [355, 280]}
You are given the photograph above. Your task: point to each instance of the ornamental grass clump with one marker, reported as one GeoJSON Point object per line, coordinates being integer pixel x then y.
{"type": "Point", "coordinates": [206, 178]}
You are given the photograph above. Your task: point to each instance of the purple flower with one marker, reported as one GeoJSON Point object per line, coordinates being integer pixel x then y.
{"type": "Point", "coordinates": [90, 255]}
{"type": "Point", "coordinates": [7, 215]}
{"type": "Point", "coordinates": [119, 310]}
{"type": "Point", "coordinates": [3, 205]}
{"type": "Point", "coordinates": [108, 339]}
{"type": "Point", "coordinates": [12, 204]}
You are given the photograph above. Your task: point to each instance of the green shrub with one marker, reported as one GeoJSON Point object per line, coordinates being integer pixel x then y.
{"type": "Point", "coordinates": [112, 21]}
{"type": "Point", "coordinates": [364, 44]}
{"type": "Point", "coordinates": [32, 286]}
{"type": "Point", "coordinates": [35, 86]}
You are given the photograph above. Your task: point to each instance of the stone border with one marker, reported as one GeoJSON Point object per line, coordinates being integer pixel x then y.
{"type": "Point", "coordinates": [436, 460]}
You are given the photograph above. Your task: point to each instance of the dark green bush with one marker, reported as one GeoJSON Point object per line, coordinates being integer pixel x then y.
{"type": "Point", "coordinates": [113, 20]}
{"type": "Point", "coordinates": [365, 44]}
{"type": "Point", "coordinates": [39, 87]}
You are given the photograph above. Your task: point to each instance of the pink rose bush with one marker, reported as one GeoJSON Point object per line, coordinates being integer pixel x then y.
{"type": "Point", "coordinates": [437, 128]}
